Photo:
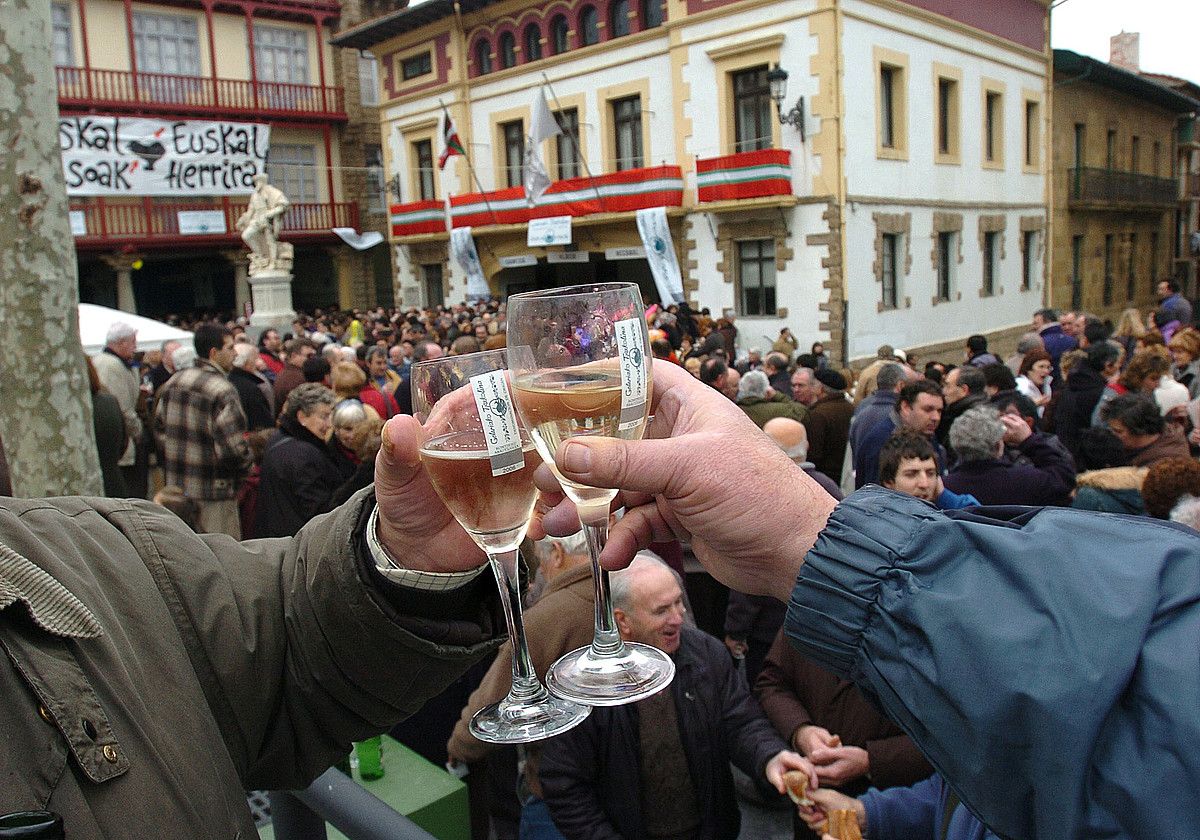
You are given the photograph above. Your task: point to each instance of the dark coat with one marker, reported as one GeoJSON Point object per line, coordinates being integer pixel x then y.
{"type": "Point", "coordinates": [109, 426]}
{"type": "Point", "coordinates": [1056, 343]}
{"type": "Point", "coordinates": [254, 401]}
{"type": "Point", "coordinates": [951, 413]}
{"type": "Point", "coordinates": [590, 775]}
{"type": "Point", "coordinates": [298, 481]}
{"type": "Point", "coordinates": [828, 427]}
{"type": "Point", "coordinates": [1047, 480]}
{"type": "Point", "coordinates": [1073, 411]}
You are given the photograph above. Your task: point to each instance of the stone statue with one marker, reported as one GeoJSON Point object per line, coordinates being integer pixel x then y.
{"type": "Point", "coordinates": [260, 226]}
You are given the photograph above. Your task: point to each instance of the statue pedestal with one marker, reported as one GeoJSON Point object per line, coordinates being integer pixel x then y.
{"type": "Point", "coordinates": [271, 293]}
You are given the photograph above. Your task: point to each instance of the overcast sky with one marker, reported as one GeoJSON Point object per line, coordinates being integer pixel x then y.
{"type": "Point", "coordinates": [1169, 31]}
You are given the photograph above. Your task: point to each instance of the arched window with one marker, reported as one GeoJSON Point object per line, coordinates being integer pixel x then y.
{"type": "Point", "coordinates": [618, 23]}
{"type": "Point", "coordinates": [508, 50]}
{"type": "Point", "coordinates": [652, 13]}
{"type": "Point", "coordinates": [533, 42]}
{"type": "Point", "coordinates": [558, 35]}
{"type": "Point", "coordinates": [589, 26]}
{"type": "Point", "coordinates": [483, 57]}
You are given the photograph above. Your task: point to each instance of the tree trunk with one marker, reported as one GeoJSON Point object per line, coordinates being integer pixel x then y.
{"type": "Point", "coordinates": [45, 402]}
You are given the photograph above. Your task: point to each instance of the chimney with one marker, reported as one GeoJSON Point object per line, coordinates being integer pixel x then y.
{"type": "Point", "coordinates": [1123, 51]}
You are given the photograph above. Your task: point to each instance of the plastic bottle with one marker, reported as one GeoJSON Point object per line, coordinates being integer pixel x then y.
{"type": "Point", "coordinates": [370, 757]}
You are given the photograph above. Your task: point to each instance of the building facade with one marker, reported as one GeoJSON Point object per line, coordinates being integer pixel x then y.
{"type": "Point", "coordinates": [239, 62]}
{"type": "Point", "coordinates": [1117, 185]}
{"type": "Point", "coordinates": [902, 201]}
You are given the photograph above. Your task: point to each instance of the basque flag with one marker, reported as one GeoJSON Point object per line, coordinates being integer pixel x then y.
{"type": "Point", "coordinates": [453, 146]}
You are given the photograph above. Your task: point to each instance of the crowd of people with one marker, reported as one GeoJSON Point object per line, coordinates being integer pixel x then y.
{"type": "Point", "coordinates": [256, 438]}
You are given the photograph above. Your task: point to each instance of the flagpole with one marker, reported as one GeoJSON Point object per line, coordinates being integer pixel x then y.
{"type": "Point", "coordinates": [574, 143]}
{"type": "Point", "coordinates": [471, 169]}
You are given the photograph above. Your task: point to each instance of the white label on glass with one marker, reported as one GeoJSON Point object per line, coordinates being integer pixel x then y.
{"type": "Point", "coordinates": [500, 428]}
{"type": "Point", "coordinates": [632, 349]}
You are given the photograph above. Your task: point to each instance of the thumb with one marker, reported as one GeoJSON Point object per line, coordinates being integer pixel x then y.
{"type": "Point", "coordinates": [643, 466]}
{"type": "Point", "coordinates": [399, 459]}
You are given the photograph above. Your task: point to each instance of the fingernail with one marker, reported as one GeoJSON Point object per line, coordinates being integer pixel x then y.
{"type": "Point", "coordinates": [386, 442]}
{"type": "Point", "coordinates": [577, 458]}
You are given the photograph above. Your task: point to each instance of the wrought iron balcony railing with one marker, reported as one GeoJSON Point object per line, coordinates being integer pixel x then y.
{"type": "Point", "coordinates": [1092, 185]}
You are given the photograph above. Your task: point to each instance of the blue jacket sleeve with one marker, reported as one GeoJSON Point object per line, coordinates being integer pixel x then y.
{"type": "Point", "coordinates": [1044, 660]}
{"type": "Point", "coordinates": [900, 813]}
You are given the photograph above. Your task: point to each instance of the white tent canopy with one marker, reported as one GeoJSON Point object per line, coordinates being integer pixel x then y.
{"type": "Point", "coordinates": [94, 322]}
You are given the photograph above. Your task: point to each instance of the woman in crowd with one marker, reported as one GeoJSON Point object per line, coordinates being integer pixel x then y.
{"type": "Point", "coordinates": [1142, 375]}
{"type": "Point", "coordinates": [1185, 353]}
{"type": "Point", "coordinates": [1033, 378]}
{"type": "Point", "coordinates": [108, 426]}
{"type": "Point", "coordinates": [1130, 329]}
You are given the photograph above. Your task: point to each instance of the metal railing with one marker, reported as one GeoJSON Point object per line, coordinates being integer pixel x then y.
{"type": "Point", "coordinates": [196, 94]}
{"type": "Point", "coordinates": [1093, 185]}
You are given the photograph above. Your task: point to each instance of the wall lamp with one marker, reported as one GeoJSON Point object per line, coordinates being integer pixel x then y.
{"type": "Point", "coordinates": [777, 79]}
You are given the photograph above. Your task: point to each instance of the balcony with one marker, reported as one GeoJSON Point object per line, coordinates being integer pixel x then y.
{"type": "Point", "coordinates": [755, 174]}
{"type": "Point", "coordinates": [156, 223]}
{"type": "Point", "coordinates": [199, 96]}
{"type": "Point", "coordinates": [1109, 188]}
{"type": "Point", "coordinates": [1192, 181]}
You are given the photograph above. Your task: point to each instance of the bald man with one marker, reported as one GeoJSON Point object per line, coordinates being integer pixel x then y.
{"type": "Point", "coordinates": [660, 767]}
{"type": "Point", "coordinates": [732, 380]}
{"type": "Point", "coordinates": [793, 440]}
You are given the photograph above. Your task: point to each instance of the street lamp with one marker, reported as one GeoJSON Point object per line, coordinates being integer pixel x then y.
{"type": "Point", "coordinates": [777, 80]}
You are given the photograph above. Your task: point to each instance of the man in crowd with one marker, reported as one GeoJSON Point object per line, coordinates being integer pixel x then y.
{"type": "Point", "coordinates": [422, 350]}
{"type": "Point", "coordinates": [1054, 338]}
{"type": "Point", "coordinates": [775, 366]}
{"type": "Point", "coordinates": [828, 422]}
{"type": "Point", "coordinates": [1171, 298]}
{"type": "Point", "coordinates": [977, 352]}
{"type": "Point", "coordinates": [908, 464]}
{"type": "Point", "coordinates": [253, 389]}
{"type": "Point", "coordinates": [715, 373]}
{"type": "Point", "coordinates": [962, 389]}
{"type": "Point", "coordinates": [270, 345]}
{"type": "Point", "coordinates": [202, 428]}
{"type": "Point", "coordinates": [979, 437]}
{"type": "Point", "coordinates": [165, 369]}
{"type": "Point", "coordinates": [793, 440]}
{"type": "Point", "coordinates": [296, 351]}
{"type": "Point", "coordinates": [804, 387]}
{"type": "Point", "coordinates": [761, 402]}
{"type": "Point", "coordinates": [660, 767]}
{"type": "Point", "coordinates": [1139, 425]}
{"type": "Point", "coordinates": [918, 407]}
{"type": "Point", "coordinates": [1027, 342]}
{"type": "Point", "coordinates": [114, 368]}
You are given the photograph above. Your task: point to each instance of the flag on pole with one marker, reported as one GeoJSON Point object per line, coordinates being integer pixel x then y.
{"type": "Point", "coordinates": [451, 144]}
{"type": "Point", "coordinates": [660, 253]}
{"type": "Point", "coordinates": [542, 127]}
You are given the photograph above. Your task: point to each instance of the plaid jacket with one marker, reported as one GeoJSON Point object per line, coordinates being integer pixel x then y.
{"type": "Point", "coordinates": [202, 429]}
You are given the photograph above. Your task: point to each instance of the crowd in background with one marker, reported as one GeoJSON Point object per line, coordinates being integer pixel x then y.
{"type": "Point", "coordinates": [256, 437]}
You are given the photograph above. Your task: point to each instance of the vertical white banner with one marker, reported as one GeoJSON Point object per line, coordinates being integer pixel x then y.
{"type": "Point", "coordinates": [462, 250]}
{"type": "Point", "coordinates": [660, 253]}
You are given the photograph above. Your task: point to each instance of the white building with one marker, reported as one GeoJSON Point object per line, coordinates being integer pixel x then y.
{"type": "Point", "coordinates": [904, 202]}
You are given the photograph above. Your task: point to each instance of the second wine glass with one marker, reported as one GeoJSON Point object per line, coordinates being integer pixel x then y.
{"type": "Point", "coordinates": [481, 461]}
{"type": "Point", "coordinates": [580, 361]}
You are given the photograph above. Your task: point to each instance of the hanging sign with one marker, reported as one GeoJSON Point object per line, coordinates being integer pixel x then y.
{"type": "Point", "coordinates": [554, 230]}
{"type": "Point", "coordinates": [131, 156]}
{"type": "Point", "coordinates": [78, 223]}
{"type": "Point", "coordinates": [519, 261]}
{"type": "Point", "coordinates": [568, 256]}
{"type": "Point", "coordinates": [631, 253]}
{"type": "Point", "coordinates": [201, 222]}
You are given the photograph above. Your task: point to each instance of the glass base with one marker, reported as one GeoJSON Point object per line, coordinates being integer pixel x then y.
{"type": "Point", "coordinates": [516, 722]}
{"type": "Point", "coordinates": [583, 677]}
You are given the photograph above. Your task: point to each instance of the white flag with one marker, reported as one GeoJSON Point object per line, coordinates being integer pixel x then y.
{"type": "Point", "coordinates": [462, 250]}
{"type": "Point", "coordinates": [359, 241]}
{"type": "Point", "coordinates": [660, 253]}
{"type": "Point", "coordinates": [542, 127]}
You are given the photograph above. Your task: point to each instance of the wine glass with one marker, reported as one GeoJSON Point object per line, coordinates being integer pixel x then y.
{"type": "Point", "coordinates": [481, 461]}
{"type": "Point", "coordinates": [580, 364]}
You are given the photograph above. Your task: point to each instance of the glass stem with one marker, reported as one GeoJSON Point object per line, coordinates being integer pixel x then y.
{"type": "Point", "coordinates": [606, 641]}
{"type": "Point", "coordinates": [525, 684]}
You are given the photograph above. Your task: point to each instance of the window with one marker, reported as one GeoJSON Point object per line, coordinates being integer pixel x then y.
{"type": "Point", "coordinates": [589, 26]}
{"type": "Point", "coordinates": [947, 118]}
{"type": "Point", "coordinates": [166, 44]}
{"type": "Point", "coordinates": [890, 257]}
{"type": "Point", "coordinates": [627, 123]}
{"type": "Point", "coordinates": [431, 274]}
{"type": "Point", "coordinates": [376, 187]}
{"type": "Point", "coordinates": [1080, 146]}
{"type": "Point", "coordinates": [1154, 260]}
{"type": "Point", "coordinates": [1033, 133]}
{"type": "Point", "coordinates": [1076, 272]}
{"type": "Point", "coordinates": [652, 14]}
{"type": "Point", "coordinates": [1156, 159]}
{"type": "Point", "coordinates": [1108, 278]}
{"type": "Point", "coordinates": [1029, 263]}
{"type": "Point", "coordinates": [63, 46]}
{"type": "Point", "coordinates": [293, 168]}
{"type": "Point", "coordinates": [368, 79]}
{"type": "Point", "coordinates": [1110, 153]}
{"type": "Point", "coordinates": [565, 144]}
{"type": "Point", "coordinates": [281, 55]}
{"type": "Point", "coordinates": [558, 35]}
{"type": "Point", "coordinates": [533, 42]}
{"type": "Point", "coordinates": [1135, 153]}
{"type": "Point", "coordinates": [618, 23]}
{"type": "Point", "coordinates": [514, 152]}
{"type": "Point", "coordinates": [991, 253]}
{"type": "Point", "coordinates": [756, 276]}
{"type": "Point", "coordinates": [508, 50]}
{"type": "Point", "coordinates": [993, 127]}
{"type": "Point", "coordinates": [483, 57]}
{"type": "Point", "coordinates": [945, 268]}
{"type": "Point", "coordinates": [1131, 273]}
{"type": "Point", "coordinates": [888, 78]}
{"type": "Point", "coordinates": [423, 159]}
{"type": "Point", "coordinates": [416, 65]}
{"type": "Point", "coordinates": [752, 110]}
